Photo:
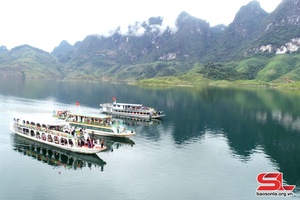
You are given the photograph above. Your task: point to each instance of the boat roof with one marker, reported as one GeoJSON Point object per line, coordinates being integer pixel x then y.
{"type": "Point", "coordinates": [91, 115]}
{"type": "Point", "coordinates": [127, 104]}
{"type": "Point", "coordinates": [41, 118]}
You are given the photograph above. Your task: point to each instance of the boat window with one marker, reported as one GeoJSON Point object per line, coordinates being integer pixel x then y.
{"type": "Point", "coordinates": [43, 136]}
{"type": "Point", "coordinates": [38, 135]}
{"type": "Point", "coordinates": [49, 138]}
{"type": "Point", "coordinates": [32, 133]}
{"type": "Point", "coordinates": [56, 139]}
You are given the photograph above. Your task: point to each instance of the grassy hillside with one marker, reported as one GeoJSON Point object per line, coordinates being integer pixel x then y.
{"type": "Point", "coordinates": [290, 77]}
{"type": "Point", "coordinates": [254, 64]}
{"type": "Point", "coordinates": [278, 66]}
{"type": "Point", "coordinates": [279, 71]}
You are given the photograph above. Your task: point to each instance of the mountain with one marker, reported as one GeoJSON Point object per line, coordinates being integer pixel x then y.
{"type": "Point", "coordinates": [3, 49]}
{"type": "Point", "coordinates": [63, 51]}
{"type": "Point", "coordinates": [237, 37]}
{"type": "Point", "coordinates": [149, 49]}
{"type": "Point", "coordinates": [27, 62]}
{"type": "Point", "coordinates": [279, 32]}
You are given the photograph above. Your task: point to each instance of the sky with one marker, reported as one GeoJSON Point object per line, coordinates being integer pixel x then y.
{"type": "Point", "coordinates": [45, 23]}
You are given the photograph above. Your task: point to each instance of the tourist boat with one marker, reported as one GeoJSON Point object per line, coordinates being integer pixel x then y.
{"type": "Point", "coordinates": [97, 124]}
{"type": "Point", "coordinates": [55, 132]}
{"type": "Point", "coordinates": [54, 156]}
{"type": "Point", "coordinates": [130, 110]}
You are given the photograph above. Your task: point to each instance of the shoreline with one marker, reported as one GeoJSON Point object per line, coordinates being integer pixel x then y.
{"type": "Point", "coordinates": [220, 83]}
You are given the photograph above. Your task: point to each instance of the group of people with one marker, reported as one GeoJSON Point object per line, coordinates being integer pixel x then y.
{"type": "Point", "coordinates": [90, 142]}
{"type": "Point", "coordinates": [61, 113]}
{"type": "Point", "coordinates": [81, 139]}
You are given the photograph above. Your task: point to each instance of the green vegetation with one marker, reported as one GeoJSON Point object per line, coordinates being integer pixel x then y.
{"type": "Point", "coordinates": [260, 71]}
{"type": "Point", "coordinates": [242, 54]}
{"type": "Point", "coordinates": [281, 71]}
{"type": "Point", "coordinates": [278, 67]}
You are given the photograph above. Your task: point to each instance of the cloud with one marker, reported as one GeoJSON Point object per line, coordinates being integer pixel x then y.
{"type": "Point", "coordinates": [139, 29]}
{"type": "Point", "coordinates": [44, 24]}
{"type": "Point", "coordinates": [136, 30]}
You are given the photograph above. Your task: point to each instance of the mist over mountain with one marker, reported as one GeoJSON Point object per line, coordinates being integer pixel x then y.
{"type": "Point", "coordinates": [149, 49]}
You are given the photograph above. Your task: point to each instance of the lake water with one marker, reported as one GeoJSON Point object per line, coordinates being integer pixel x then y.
{"type": "Point", "coordinates": [212, 144]}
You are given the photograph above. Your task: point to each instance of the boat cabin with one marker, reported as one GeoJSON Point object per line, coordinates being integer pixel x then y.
{"type": "Point", "coordinates": [92, 119]}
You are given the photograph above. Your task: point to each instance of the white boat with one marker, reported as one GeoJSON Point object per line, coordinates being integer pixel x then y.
{"type": "Point", "coordinates": [52, 131]}
{"type": "Point", "coordinates": [55, 156]}
{"type": "Point", "coordinates": [130, 110]}
{"type": "Point", "coordinates": [99, 124]}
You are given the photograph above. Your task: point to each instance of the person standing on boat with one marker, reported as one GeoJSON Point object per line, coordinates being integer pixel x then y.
{"type": "Point", "coordinates": [82, 143]}
{"type": "Point", "coordinates": [91, 142]}
{"type": "Point", "coordinates": [102, 143]}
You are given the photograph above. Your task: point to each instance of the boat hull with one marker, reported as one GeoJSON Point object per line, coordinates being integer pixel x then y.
{"type": "Point", "coordinates": [101, 133]}
{"type": "Point", "coordinates": [132, 115]}
{"type": "Point", "coordinates": [130, 110]}
{"type": "Point", "coordinates": [23, 144]}
{"type": "Point", "coordinates": [74, 148]}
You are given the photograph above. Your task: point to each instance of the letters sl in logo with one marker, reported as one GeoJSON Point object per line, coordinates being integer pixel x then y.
{"type": "Point", "coordinates": [272, 181]}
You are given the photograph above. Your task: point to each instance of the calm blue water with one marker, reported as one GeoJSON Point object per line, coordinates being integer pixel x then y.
{"type": "Point", "coordinates": [212, 144]}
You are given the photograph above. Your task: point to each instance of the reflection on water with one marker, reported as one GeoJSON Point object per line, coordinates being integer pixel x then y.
{"type": "Point", "coordinates": [114, 142]}
{"type": "Point", "coordinates": [55, 157]}
{"type": "Point", "coordinates": [253, 123]}
{"type": "Point", "coordinates": [286, 120]}
{"type": "Point", "coordinates": [250, 119]}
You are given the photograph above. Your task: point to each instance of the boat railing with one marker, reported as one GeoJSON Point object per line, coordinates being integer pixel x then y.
{"type": "Point", "coordinates": [61, 138]}
{"type": "Point", "coordinates": [46, 130]}
{"type": "Point", "coordinates": [92, 122]}
{"type": "Point", "coordinates": [142, 109]}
